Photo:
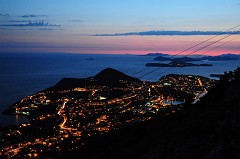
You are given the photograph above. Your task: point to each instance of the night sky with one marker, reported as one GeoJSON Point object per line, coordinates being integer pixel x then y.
{"type": "Point", "coordinates": [115, 26]}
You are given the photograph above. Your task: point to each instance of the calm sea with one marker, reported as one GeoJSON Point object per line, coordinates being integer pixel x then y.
{"type": "Point", "coordinates": [23, 74]}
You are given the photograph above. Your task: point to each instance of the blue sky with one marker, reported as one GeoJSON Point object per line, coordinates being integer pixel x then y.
{"type": "Point", "coordinates": [69, 25]}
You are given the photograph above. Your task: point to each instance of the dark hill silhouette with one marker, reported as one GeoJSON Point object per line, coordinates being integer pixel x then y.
{"type": "Point", "coordinates": [106, 77]}
{"type": "Point", "coordinates": [110, 74]}
{"type": "Point", "coordinates": [113, 78]}
{"type": "Point", "coordinates": [69, 83]}
{"type": "Point", "coordinates": [207, 130]}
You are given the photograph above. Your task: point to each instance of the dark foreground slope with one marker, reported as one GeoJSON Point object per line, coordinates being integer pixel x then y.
{"type": "Point", "coordinates": [210, 129]}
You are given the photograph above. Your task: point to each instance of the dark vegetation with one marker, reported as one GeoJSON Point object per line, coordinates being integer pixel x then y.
{"type": "Point", "coordinates": [208, 129]}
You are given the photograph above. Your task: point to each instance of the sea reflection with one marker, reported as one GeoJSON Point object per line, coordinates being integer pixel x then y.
{"type": "Point", "coordinates": [12, 120]}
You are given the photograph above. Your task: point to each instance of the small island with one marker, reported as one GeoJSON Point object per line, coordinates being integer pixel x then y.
{"type": "Point", "coordinates": [176, 64]}
{"type": "Point", "coordinates": [185, 61]}
{"type": "Point", "coordinates": [192, 58]}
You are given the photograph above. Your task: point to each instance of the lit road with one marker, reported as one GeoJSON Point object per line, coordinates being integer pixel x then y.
{"type": "Point", "coordinates": [62, 107]}
{"type": "Point", "coordinates": [64, 117]}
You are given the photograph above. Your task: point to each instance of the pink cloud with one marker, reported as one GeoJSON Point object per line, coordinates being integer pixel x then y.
{"type": "Point", "coordinates": [121, 45]}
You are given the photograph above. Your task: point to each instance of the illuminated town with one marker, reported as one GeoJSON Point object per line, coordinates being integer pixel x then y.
{"type": "Point", "coordinates": [62, 117]}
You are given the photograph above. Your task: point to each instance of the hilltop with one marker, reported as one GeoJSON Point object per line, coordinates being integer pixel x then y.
{"type": "Point", "coordinates": [110, 74]}
{"type": "Point", "coordinates": [106, 77]}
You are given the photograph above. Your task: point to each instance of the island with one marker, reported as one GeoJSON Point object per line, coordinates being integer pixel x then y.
{"type": "Point", "coordinates": [155, 54]}
{"type": "Point", "coordinates": [176, 64]}
{"type": "Point", "coordinates": [192, 58]}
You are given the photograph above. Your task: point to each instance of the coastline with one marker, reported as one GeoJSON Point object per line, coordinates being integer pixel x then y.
{"type": "Point", "coordinates": [19, 80]}
{"type": "Point", "coordinates": [11, 119]}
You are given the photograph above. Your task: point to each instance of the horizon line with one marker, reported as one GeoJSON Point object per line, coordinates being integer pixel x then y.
{"type": "Point", "coordinates": [75, 53]}
{"type": "Point", "coordinates": [170, 33]}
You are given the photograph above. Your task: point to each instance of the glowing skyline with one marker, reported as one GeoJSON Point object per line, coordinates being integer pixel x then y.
{"type": "Point", "coordinates": [71, 25]}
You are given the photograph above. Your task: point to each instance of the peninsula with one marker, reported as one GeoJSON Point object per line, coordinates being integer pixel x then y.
{"type": "Point", "coordinates": [72, 113]}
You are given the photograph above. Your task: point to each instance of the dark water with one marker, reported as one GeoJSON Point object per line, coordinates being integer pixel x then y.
{"type": "Point", "coordinates": [25, 74]}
